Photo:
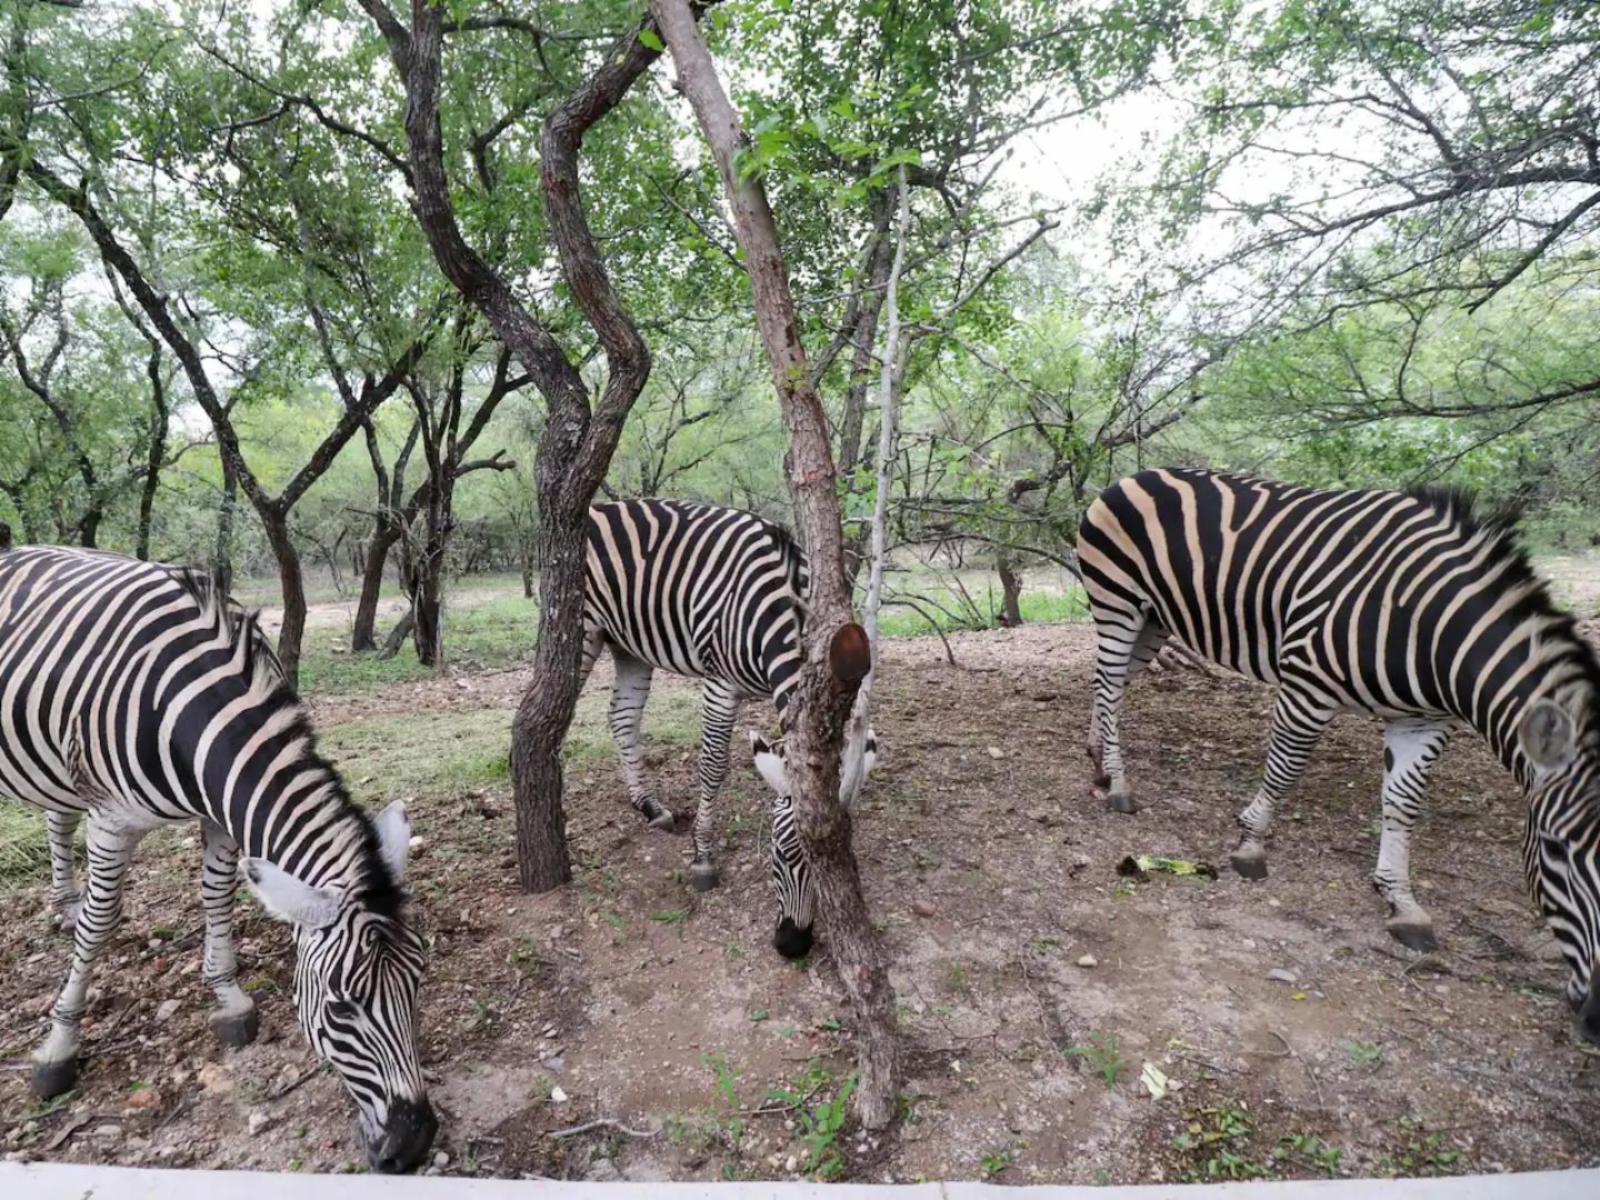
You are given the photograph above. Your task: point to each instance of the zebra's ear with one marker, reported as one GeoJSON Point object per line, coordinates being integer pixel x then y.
{"type": "Point", "coordinates": [1547, 735]}
{"type": "Point", "coordinates": [289, 899]}
{"type": "Point", "coordinates": [394, 839]}
{"type": "Point", "coordinates": [769, 764]}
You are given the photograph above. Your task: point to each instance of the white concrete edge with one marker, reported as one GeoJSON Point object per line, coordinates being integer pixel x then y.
{"type": "Point", "coordinates": [74, 1181]}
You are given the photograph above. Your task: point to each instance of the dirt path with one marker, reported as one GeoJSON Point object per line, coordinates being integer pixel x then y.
{"type": "Point", "coordinates": [1035, 982]}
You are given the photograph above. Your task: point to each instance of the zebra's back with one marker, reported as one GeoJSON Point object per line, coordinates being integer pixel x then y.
{"type": "Point", "coordinates": [696, 589]}
{"type": "Point", "coordinates": [1386, 601]}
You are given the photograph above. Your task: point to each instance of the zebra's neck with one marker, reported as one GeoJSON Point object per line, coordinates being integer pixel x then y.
{"type": "Point", "coordinates": [1530, 653]}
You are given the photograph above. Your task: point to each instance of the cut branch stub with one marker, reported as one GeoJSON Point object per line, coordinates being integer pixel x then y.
{"type": "Point", "coordinates": [849, 655]}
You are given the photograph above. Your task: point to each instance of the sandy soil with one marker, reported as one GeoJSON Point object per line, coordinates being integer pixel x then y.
{"type": "Point", "coordinates": [994, 880]}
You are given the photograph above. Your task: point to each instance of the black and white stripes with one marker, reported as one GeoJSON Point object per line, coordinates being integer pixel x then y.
{"type": "Point", "coordinates": [1407, 605]}
{"type": "Point", "coordinates": [715, 594]}
{"type": "Point", "coordinates": [134, 694]}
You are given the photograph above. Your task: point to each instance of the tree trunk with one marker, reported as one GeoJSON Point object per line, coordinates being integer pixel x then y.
{"type": "Point", "coordinates": [156, 452]}
{"type": "Point", "coordinates": [89, 525]}
{"type": "Point", "coordinates": [398, 635]}
{"type": "Point", "coordinates": [426, 607]}
{"type": "Point", "coordinates": [363, 636]}
{"type": "Point", "coordinates": [1010, 588]}
{"type": "Point", "coordinates": [837, 652]}
{"type": "Point", "coordinates": [222, 551]}
{"type": "Point", "coordinates": [292, 583]}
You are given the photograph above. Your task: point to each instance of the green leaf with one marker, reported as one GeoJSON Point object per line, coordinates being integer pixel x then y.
{"type": "Point", "coordinates": [652, 39]}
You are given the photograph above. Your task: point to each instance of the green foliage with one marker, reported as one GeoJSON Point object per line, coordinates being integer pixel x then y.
{"type": "Point", "coordinates": [1101, 1052]}
{"type": "Point", "coordinates": [819, 1124]}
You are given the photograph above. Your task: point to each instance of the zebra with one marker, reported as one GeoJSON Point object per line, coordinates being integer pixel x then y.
{"type": "Point", "coordinates": [715, 594]}
{"type": "Point", "coordinates": [1413, 606]}
{"type": "Point", "coordinates": [138, 695]}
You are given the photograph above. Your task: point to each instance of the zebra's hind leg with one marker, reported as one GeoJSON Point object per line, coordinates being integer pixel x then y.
{"type": "Point", "coordinates": [1125, 644]}
{"type": "Point", "coordinates": [65, 898]}
{"type": "Point", "coordinates": [719, 707]}
{"type": "Point", "coordinates": [1410, 748]}
{"type": "Point", "coordinates": [55, 1064]}
{"type": "Point", "coordinates": [1297, 724]}
{"type": "Point", "coordinates": [628, 697]}
{"type": "Point", "coordinates": [234, 1022]}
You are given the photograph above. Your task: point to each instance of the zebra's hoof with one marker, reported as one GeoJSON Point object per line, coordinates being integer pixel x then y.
{"type": "Point", "coordinates": [1122, 802]}
{"type": "Point", "coordinates": [663, 820]}
{"type": "Point", "coordinates": [236, 1029]}
{"type": "Point", "coordinates": [1248, 866]}
{"type": "Point", "coordinates": [52, 1079]}
{"type": "Point", "coordinates": [67, 921]}
{"type": "Point", "coordinates": [704, 876]}
{"type": "Point", "coordinates": [1414, 935]}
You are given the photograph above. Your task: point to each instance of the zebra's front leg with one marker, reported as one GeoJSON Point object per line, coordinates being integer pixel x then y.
{"type": "Point", "coordinates": [629, 694]}
{"type": "Point", "coordinates": [55, 1064]}
{"type": "Point", "coordinates": [65, 898]}
{"type": "Point", "coordinates": [1410, 748]}
{"type": "Point", "coordinates": [719, 708]}
{"type": "Point", "coordinates": [234, 1022]}
{"type": "Point", "coordinates": [1297, 724]}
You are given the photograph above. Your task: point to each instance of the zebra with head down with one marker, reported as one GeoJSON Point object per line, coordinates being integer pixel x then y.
{"type": "Point", "coordinates": [134, 694]}
{"type": "Point", "coordinates": [1412, 606]}
{"type": "Point", "coordinates": [715, 594]}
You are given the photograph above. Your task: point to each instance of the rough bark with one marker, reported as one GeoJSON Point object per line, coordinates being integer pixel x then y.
{"type": "Point", "coordinates": [156, 451]}
{"type": "Point", "coordinates": [837, 652]}
{"type": "Point", "coordinates": [577, 445]}
{"type": "Point", "coordinates": [1010, 590]}
{"type": "Point", "coordinates": [222, 548]}
{"type": "Point", "coordinates": [292, 584]}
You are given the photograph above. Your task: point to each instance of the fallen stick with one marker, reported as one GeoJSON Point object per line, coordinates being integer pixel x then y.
{"type": "Point", "coordinates": [602, 1123]}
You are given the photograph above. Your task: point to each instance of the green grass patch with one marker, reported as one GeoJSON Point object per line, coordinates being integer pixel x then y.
{"type": "Point", "coordinates": [950, 611]}
{"type": "Point", "coordinates": [24, 852]}
{"type": "Point", "coordinates": [493, 634]}
{"type": "Point", "coordinates": [449, 753]}
{"type": "Point", "coordinates": [382, 758]}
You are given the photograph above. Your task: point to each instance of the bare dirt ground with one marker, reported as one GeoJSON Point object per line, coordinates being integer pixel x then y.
{"type": "Point", "coordinates": [994, 879]}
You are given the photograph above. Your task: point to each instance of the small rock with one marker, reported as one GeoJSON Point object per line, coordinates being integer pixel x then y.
{"type": "Point", "coordinates": [108, 1133]}
{"type": "Point", "coordinates": [441, 1160]}
{"type": "Point", "coordinates": [555, 1064]}
{"type": "Point", "coordinates": [1088, 960]}
{"type": "Point", "coordinates": [215, 1078]}
{"type": "Point", "coordinates": [1274, 902]}
{"type": "Point", "coordinates": [791, 1164]}
{"type": "Point", "coordinates": [416, 843]}
{"type": "Point", "coordinates": [996, 752]}
{"type": "Point", "coordinates": [258, 1121]}
{"type": "Point", "coordinates": [144, 1098]}
{"type": "Point", "coordinates": [558, 1096]}
{"type": "Point", "coordinates": [923, 908]}
{"type": "Point", "coordinates": [167, 1009]}
{"type": "Point", "coordinates": [1280, 975]}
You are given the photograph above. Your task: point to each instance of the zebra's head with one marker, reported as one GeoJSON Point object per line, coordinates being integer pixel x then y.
{"type": "Point", "coordinates": [791, 871]}
{"type": "Point", "coordinates": [1561, 851]}
{"type": "Point", "coordinates": [356, 977]}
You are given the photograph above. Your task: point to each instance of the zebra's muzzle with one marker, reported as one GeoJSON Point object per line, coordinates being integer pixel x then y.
{"type": "Point", "coordinates": [790, 940]}
{"type": "Point", "coordinates": [1589, 1014]}
{"type": "Point", "coordinates": [405, 1140]}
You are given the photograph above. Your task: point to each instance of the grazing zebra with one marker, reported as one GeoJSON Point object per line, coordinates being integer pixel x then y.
{"type": "Point", "coordinates": [134, 693]}
{"type": "Point", "coordinates": [1407, 605]}
{"type": "Point", "coordinates": [715, 594]}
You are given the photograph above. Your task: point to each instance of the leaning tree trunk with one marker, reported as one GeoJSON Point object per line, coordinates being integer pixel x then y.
{"type": "Point", "coordinates": [837, 653]}
{"type": "Point", "coordinates": [1010, 590]}
{"type": "Point", "coordinates": [426, 605]}
{"type": "Point", "coordinates": [291, 580]}
{"type": "Point", "coordinates": [363, 636]}
{"type": "Point", "coordinates": [222, 549]}
{"type": "Point", "coordinates": [156, 451]}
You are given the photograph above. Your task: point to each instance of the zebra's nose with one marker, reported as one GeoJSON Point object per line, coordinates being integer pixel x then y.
{"type": "Point", "coordinates": [1589, 1014]}
{"type": "Point", "coordinates": [405, 1140]}
{"type": "Point", "coordinates": [790, 940]}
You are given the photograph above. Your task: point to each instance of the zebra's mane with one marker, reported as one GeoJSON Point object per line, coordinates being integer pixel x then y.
{"type": "Point", "coordinates": [239, 630]}
{"type": "Point", "coordinates": [1559, 645]}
